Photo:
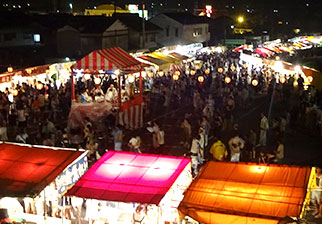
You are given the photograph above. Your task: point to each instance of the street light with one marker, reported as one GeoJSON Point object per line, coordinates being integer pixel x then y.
{"type": "Point", "coordinates": [240, 19]}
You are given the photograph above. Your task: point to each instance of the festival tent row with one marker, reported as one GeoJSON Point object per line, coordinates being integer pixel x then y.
{"type": "Point", "coordinates": [132, 179]}
{"type": "Point", "coordinates": [117, 64]}
{"type": "Point", "coordinates": [241, 193]}
{"type": "Point", "coordinates": [26, 171]}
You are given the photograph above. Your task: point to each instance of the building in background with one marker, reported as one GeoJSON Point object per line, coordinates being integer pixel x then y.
{"type": "Point", "coordinates": [181, 29]}
{"type": "Point", "coordinates": [110, 9]}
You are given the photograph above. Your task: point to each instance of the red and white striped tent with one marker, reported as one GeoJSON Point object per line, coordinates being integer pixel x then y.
{"type": "Point", "coordinates": [111, 59]}
{"type": "Point", "coordinates": [108, 60]}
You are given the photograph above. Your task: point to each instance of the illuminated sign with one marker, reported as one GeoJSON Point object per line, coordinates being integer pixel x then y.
{"type": "Point", "coordinates": [72, 174]}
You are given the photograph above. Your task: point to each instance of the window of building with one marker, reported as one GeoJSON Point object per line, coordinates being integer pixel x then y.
{"type": "Point", "coordinates": [167, 31]}
{"type": "Point", "coordinates": [27, 36]}
{"type": "Point", "coordinates": [36, 37]}
{"type": "Point", "coordinates": [9, 36]}
{"type": "Point", "coordinates": [197, 32]}
{"type": "Point", "coordinates": [177, 32]}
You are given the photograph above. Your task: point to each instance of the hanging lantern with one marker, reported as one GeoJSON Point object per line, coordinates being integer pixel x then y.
{"type": "Point", "coordinates": [201, 79]}
{"type": "Point", "coordinates": [175, 77]}
{"type": "Point", "coordinates": [150, 74]}
{"type": "Point", "coordinates": [161, 73]}
{"type": "Point", "coordinates": [220, 70]}
{"type": "Point", "coordinates": [227, 80]}
{"type": "Point", "coordinates": [207, 71]}
{"type": "Point", "coordinates": [245, 66]}
{"type": "Point", "coordinates": [87, 76]}
{"type": "Point", "coordinates": [39, 86]}
{"type": "Point", "coordinates": [192, 72]}
{"type": "Point", "coordinates": [97, 80]}
{"type": "Point", "coordinates": [254, 82]}
{"type": "Point", "coordinates": [177, 73]}
{"type": "Point", "coordinates": [232, 67]}
{"type": "Point", "coordinates": [310, 79]}
{"type": "Point", "coordinates": [14, 92]}
{"type": "Point", "coordinates": [131, 78]}
{"type": "Point", "coordinates": [282, 80]}
{"type": "Point", "coordinates": [10, 69]}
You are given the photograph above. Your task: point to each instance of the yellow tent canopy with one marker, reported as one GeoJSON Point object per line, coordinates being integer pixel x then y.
{"type": "Point", "coordinates": [242, 193]}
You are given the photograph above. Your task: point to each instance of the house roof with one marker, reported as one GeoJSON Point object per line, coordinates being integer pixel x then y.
{"type": "Point", "coordinates": [186, 18]}
{"type": "Point", "coordinates": [130, 177]}
{"type": "Point", "coordinates": [134, 22]}
{"type": "Point", "coordinates": [246, 193]}
{"type": "Point", "coordinates": [26, 170]}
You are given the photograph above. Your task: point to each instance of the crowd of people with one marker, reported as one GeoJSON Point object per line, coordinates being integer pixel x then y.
{"type": "Point", "coordinates": [39, 116]}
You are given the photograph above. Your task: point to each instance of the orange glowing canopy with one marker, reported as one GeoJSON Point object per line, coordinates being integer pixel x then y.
{"type": "Point", "coordinates": [239, 193]}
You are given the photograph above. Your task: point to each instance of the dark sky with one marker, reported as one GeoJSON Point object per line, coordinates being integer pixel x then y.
{"type": "Point", "coordinates": [294, 7]}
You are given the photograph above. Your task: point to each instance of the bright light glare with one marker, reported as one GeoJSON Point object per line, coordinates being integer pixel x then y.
{"type": "Point", "coordinates": [258, 169]}
{"type": "Point", "coordinates": [278, 65]}
{"type": "Point", "coordinates": [117, 72]}
{"type": "Point", "coordinates": [240, 19]}
{"type": "Point", "coordinates": [298, 68]}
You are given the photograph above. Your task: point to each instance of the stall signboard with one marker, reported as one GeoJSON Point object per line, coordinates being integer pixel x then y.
{"type": "Point", "coordinates": [72, 174]}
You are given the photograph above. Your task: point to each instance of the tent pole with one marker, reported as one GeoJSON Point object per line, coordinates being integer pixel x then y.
{"type": "Point", "coordinates": [63, 211]}
{"type": "Point", "coordinates": [120, 87]}
{"type": "Point", "coordinates": [72, 84]}
{"type": "Point", "coordinates": [45, 207]}
{"type": "Point", "coordinates": [141, 88]}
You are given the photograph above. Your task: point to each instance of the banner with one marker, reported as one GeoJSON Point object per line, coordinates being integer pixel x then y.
{"type": "Point", "coordinates": [72, 174]}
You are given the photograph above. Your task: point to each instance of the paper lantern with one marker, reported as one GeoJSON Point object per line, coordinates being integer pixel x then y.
{"type": "Point", "coordinates": [192, 72]}
{"type": "Point", "coordinates": [245, 66]}
{"type": "Point", "coordinates": [175, 77]}
{"type": "Point", "coordinates": [87, 76]}
{"type": "Point", "coordinates": [227, 80]}
{"type": "Point", "coordinates": [14, 92]}
{"type": "Point", "coordinates": [177, 73]}
{"type": "Point", "coordinates": [254, 82]}
{"type": "Point", "coordinates": [282, 80]}
{"type": "Point", "coordinates": [232, 67]}
{"type": "Point", "coordinates": [150, 74]}
{"type": "Point", "coordinates": [131, 78]}
{"type": "Point", "coordinates": [39, 86]}
{"type": "Point", "coordinates": [97, 80]}
{"type": "Point", "coordinates": [161, 73]}
{"type": "Point", "coordinates": [201, 79]}
{"type": "Point", "coordinates": [207, 71]}
{"type": "Point", "coordinates": [310, 79]}
{"type": "Point", "coordinates": [220, 70]}
{"type": "Point", "coordinates": [10, 69]}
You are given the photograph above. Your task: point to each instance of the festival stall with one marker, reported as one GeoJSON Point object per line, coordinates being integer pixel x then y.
{"type": "Point", "coordinates": [120, 181]}
{"type": "Point", "coordinates": [38, 176]}
{"type": "Point", "coordinates": [112, 62]}
{"type": "Point", "coordinates": [241, 193]}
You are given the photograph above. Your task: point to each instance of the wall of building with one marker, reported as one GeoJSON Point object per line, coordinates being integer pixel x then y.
{"type": "Point", "coordinates": [116, 35]}
{"type": "Point", "coordinates": [168, 35]}
{"type": "Point", "coordinates": [90, 42]}
{"type": "Point", "coordinates": [196, 33]}
{"type": "Point", "coordinates": [68, 42]}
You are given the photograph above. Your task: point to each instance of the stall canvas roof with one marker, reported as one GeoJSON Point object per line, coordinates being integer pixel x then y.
{"type": "Point", "coordinates": [108, 60]}
{"type": "Point", "coordinates": [130, 177]}
{"type": "Point", "coordinates": [245, 193]}
{"type": "Point", "coordinates": [26, 170]}
{"type": "Point", "coordinates": [153, 60]}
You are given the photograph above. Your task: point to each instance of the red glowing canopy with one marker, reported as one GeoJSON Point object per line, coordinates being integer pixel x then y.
{"type": "Point", "coordinates": [26, 170]}
{"type": "Point", "coordinates": [130, 177]}
{"type": "Point", "coordinates": [245, 193]}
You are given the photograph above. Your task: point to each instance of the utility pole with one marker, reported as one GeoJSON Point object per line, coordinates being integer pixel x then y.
{"type": "Point", "coordinates": [143, 26]}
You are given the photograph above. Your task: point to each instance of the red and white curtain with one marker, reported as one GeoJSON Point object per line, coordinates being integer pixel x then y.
{"type": "Point", "coordinates": [131, 113]}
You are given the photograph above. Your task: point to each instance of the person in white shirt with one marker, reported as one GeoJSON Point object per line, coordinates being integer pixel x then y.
{"type": "Point", "coordinates": [236, 144]}
{"type": "Point", "coordinates": [111, 94]}
{"type": "Point", "coordinates": [99, 98]}
{"type": "Point", "coordinates": [263, 130]}
{"type": "Point", "coordinates": [279, 152]}
{"type": "Point", "coordinates": [195, 151]}
{"type": "Point", "coordinates": [134, 144]}
{"type": "Point", "coordinates": [317, 194]}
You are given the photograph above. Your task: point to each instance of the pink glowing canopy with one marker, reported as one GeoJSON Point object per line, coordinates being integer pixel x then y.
{"type": "Point", "coordinates": [130, 177]}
